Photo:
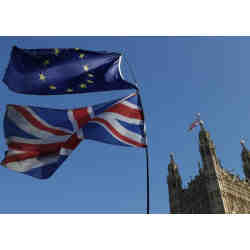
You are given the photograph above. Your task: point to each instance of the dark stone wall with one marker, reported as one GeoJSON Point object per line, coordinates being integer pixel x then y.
{"type": "Point", "coordinates": [195, 198]}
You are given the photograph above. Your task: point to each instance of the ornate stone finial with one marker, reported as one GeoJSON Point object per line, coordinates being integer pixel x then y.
{"type": "Point", "coordinates": [202, 124]}
{"type": "Point", "coordinates": [172, 157]}
{"type": "Point", "coordinates": [242, 143]}
{"type": "Point", "coordinates": [172, 165]}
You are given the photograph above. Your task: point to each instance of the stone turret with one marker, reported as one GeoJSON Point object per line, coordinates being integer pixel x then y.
{"type": "Point", "coordinates": [212, 170]}
{"type": "Point", "coordinates": [245, 156]}
{"type": "Point", "coordinates": [207, 151]}
{"type": "Point", "coordinates": [174, 186]}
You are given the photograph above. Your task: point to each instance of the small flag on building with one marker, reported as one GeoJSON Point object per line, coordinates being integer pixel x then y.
{"type": "Point", "coordinates": [64, 71]}
{"type": "Point", "coordinates": [195, 123]}
{"type": "Point", "coordinates": [40, 139]}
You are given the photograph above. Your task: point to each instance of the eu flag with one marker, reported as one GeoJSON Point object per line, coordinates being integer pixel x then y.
{"type": "Point", "coordinates": [64, 71]}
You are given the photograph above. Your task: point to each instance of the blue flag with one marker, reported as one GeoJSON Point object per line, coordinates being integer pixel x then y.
{"type": "Point", "coordinates": [64, 71]}
{"type": "Point", "coordinates": [41, 139]}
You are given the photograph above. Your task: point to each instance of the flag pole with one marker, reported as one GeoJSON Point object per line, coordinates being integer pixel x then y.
{"type": "Point", "coordinates": [147, 158]}
{"type": "Point", "coordinates": [146, 139]}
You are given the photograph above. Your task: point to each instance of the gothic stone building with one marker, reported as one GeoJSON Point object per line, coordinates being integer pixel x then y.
{"type": "Point", "coordinates": [214, 190]}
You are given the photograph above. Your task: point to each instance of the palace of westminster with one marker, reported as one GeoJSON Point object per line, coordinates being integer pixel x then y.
{"type": "Point", "coordinates": [214, 190]}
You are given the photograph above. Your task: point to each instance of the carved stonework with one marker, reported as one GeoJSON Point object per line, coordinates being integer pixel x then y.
{"type": "Point", "coordinates": [215, 189]}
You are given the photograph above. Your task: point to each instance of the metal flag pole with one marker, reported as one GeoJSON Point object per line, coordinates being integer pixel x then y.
{"type": "Point", "coordinates": [146, 139]}
{"type": "Point", "coordinates": [147, 159]}
{"type": "Point", "coordinates": [148, 205]}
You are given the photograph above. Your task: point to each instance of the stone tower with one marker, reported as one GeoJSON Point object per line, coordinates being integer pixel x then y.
{"type": "Point", "coordinates": [214, 190]}
{"type": "Point", "coordinates": [245, 155]}
{"type": "Point", "coordinates": [174, 185]}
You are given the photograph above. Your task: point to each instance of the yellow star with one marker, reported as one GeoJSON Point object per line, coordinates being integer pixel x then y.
{"type": "Point", "coordinates": [52, 87]}
{"type": "Point", "coordinates": [83, 86]}
{"type": "Point", "coordinates": [69, 90]}
{"type": "Point", "coordinates": [46, 62]}
{"type": "Point", "coordinates": [81, 56]}
{"type": "Point", "coordinates": [57, 51]}
{"type": "Point", "coordinates": [76, 48]}
{"type": "Point", "coordinates": [90, 75]}
{"type": "Point", "coordinates": [86, 67]}
{"type": "Point", "coordinates": [42, 77]}
{"type": "Point", "coordinates": [90, 81]}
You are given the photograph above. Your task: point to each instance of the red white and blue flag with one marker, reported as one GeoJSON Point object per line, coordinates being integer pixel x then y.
{"type": "Point", "coordinates": [40, 139]}
{"type": "Point", "coordinates": [195, 123]}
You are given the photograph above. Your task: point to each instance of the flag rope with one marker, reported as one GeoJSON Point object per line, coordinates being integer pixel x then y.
{"type": "Point", "coordinates": [146, 139]}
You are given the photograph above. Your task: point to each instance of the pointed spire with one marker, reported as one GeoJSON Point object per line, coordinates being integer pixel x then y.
{"type": "Point", "coordinates": [204, 136]}
{"type": "Point", "coordinates": [244, 153]}
{"type": "Point", "coordinates": [202, 125]}
{"type": "Point", "coordinates": [242, 143]}
{"type": "Point", "coordinates": [245, 156]}
{"type": "Point", "coordinates": [173, 172]}
{"type": "Point", "coordinates": [207, 149]}
{"type": "Point", "coordinates": [172, 166]}
{"type": "Point", "coordinates": [172, 157]}
{"type": "Point", "coordinates": [174, 186]}
{"type": "Point", "coordinates": [203, 132]}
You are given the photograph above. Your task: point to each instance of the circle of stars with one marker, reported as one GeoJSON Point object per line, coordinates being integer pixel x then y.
{"type": "Point", "coordinates": [42, 76]}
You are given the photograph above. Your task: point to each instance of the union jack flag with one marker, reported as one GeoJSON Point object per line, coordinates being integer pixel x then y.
{"type": "Point", "coordinates": [39, 139]}
{"type": "Point", "coordinates": [195, 123]}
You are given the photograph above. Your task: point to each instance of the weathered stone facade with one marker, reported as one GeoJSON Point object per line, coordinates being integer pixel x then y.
{"type": "Point", "coordinates": [214, 190]}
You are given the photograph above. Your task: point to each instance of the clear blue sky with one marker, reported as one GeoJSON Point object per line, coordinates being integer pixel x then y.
{"type": "Point", "coordinates": [178, 76]}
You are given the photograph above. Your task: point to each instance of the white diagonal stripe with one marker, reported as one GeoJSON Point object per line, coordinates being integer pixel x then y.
{"type": "Point", "coordinates": [123, 118]}
{"type": "Point", "coordinates": [91, 112]}
{"type": "Point", "coordinates": [73, 120]}
{"type": "Point", "coordinates": [65, 151]}
{"type": "Point", "coordinates": [13, 139]}
{"type": "Point", "coordinates": [131, 105]}
{"type": "Point", "coordinates": [122, 130]}
{"type": "Point", "coordinates": [26, 126]}
{"type": "Point", "coordinates": [117, 138]}
{"type": "Point", "coordinates": [14, 152]}
{"type": "Point", "coordinates": [78, 131]}
{"type": "Point", "coordinates": [28, 164]}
